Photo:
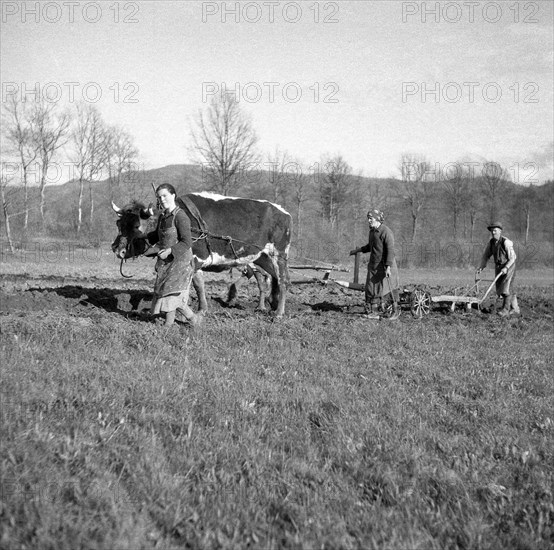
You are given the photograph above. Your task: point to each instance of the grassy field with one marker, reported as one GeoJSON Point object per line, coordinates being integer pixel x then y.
{"type": "Point", "coordinates": [322, 430]}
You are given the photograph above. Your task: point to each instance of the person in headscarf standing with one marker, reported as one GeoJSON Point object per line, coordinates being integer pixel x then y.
{"type": "Point", "coordinates": [175, 263]}
{"type": "Point", "coordinates": [382, 263]}
{"type": "Point", "coordinates": [502, 251]}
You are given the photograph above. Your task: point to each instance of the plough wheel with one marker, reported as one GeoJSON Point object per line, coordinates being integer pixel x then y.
{"type": "Point", "coordinates": [391, 310]}
{"type": "Point", "coordinates": [420, 303]}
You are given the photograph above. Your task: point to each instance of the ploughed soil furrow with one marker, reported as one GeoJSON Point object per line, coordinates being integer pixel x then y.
{"type": "Point", "coordinates": [27, 293]}
{"type": "Point", "coordinates": [25, 281]}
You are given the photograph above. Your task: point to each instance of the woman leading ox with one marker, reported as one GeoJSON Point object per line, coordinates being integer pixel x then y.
{"type": "Point", "coordinates": [175, 263]}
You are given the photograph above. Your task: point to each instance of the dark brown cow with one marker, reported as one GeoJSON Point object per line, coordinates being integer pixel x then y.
{"type": "Point", "coordinates": [232, 232]}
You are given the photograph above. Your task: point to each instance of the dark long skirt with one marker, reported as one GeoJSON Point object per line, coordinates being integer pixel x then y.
{"type": "Point", "coordinates": [376, 287]}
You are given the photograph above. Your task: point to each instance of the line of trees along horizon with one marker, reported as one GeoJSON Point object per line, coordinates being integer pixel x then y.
{"type": "Point", "coordinates": [327, 199]}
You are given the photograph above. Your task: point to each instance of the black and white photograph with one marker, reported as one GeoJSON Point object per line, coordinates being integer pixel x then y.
{"type": "Point", "coordinates": [277, 274]}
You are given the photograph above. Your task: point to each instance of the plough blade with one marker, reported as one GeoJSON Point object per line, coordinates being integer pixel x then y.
{"type": "Point", "coordinates": [346, 284]}
{"type": "Point", "coordinates": [323, 281]}
{"type": "Point", "coordinates": [320, 268]}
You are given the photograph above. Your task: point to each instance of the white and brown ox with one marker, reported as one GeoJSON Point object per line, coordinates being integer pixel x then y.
{"type": "Point", "coordinates": [232, 232]}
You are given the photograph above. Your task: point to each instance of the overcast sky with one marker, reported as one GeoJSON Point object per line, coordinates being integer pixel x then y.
{"type": "Point", "coordinates": [369, 80]}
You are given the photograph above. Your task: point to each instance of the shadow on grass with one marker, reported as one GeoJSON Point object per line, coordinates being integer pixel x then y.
{"type": "Point", "coordinates": [227, 305]}
{"type": "Point", "coordinates": [325, 306]}
{"type": "Point", "coordinates": [110, 300]}
{"type": "Point", "coordinates": [133, 304]}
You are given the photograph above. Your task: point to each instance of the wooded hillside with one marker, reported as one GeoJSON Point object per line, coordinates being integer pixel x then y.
{"type": "Point", "coordinates": [329, 209]}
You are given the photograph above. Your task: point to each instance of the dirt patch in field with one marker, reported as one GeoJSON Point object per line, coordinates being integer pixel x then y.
{"type": "Point", "coordinates": [133, 298]}
{"type": "Point", "coordinates": [69, 297]}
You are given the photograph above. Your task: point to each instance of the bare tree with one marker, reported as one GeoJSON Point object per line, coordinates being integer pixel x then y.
{"type": "Point", "coordinates": [473, 204]}
{"type": "Point", "coordinates": [89, 153]}
{"type": "Point", "coordinates": [50, 131]}
{"type": "Point", "coordinates": [295, 187]}
{"type": "Point", "coordinates": [414, 187]}
{"type": "Point", "coordinates": [376, 196]}
{"type": "Point", "coordinates": [5, 180]}
{"type": "Point", "coordinates": [525, 199]}
{"type": "Point", "coordinates": [224, 142]}
{"type": "Point", "coordinates": [465, 195]}
{"type": "Point", "coordinates": [494, 180]}
{"type": "Point", "coordinates": [335, 184]}
{"type": "Point", "coordinates": [121, 155]}
{"type": "Point", "coordinates": [20, 136]}
{"type": "Point", "coordinates": [281, 169]}
{"type": "Point", "coordinates": [455, 187]}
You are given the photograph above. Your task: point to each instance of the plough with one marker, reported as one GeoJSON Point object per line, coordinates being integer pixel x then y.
{"type": "Point", "coordinates": [326, 276]}
{"type": "Point", "coordinates": [418, 299]}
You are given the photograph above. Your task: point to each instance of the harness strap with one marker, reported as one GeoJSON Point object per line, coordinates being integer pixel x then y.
{"type": "Point", "coordinates": [192, 211]}
{"type": "Point", "coordinates": [230, 241]}
{"type": "Point", "coordinates": [201, 232]}
{"type": "Point", "coordinates": [208, 235]}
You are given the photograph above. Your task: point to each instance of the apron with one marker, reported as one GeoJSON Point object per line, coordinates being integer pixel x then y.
{"type": "Point", "coordinates": [173, 274]}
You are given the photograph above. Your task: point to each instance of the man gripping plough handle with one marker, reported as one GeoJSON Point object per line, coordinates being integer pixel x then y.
{"type": "Point", "coordinates": [502, 251]}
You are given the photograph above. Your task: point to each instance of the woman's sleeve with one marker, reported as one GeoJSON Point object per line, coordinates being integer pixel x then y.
{"type": "Point", "coordinates": [182, 223]}
{"type": "Point", "coordinates": [388, 248]}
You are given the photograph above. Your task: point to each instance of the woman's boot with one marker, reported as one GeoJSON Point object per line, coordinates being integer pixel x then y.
{"type": "Point", "coordinates": [185, 314]}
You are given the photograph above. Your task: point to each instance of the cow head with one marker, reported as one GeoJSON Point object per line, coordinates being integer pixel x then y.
{"type": "Point", "coordinates": [132, 225]}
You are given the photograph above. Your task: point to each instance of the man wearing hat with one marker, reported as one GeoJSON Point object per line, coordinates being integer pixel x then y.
{"type": "Point", "coordinates": [502, 250]}
{"type": "Point", "coordinates": [381, 262]}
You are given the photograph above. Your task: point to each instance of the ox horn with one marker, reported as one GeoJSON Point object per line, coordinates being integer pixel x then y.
{"type": "Point", "coordinates": [146, 213]}
{"type": "Point", "coordinates": [116, 208]}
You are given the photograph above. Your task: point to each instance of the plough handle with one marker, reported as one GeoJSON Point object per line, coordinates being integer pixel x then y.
{"type": "Point", "coordinates": [490, 287]}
